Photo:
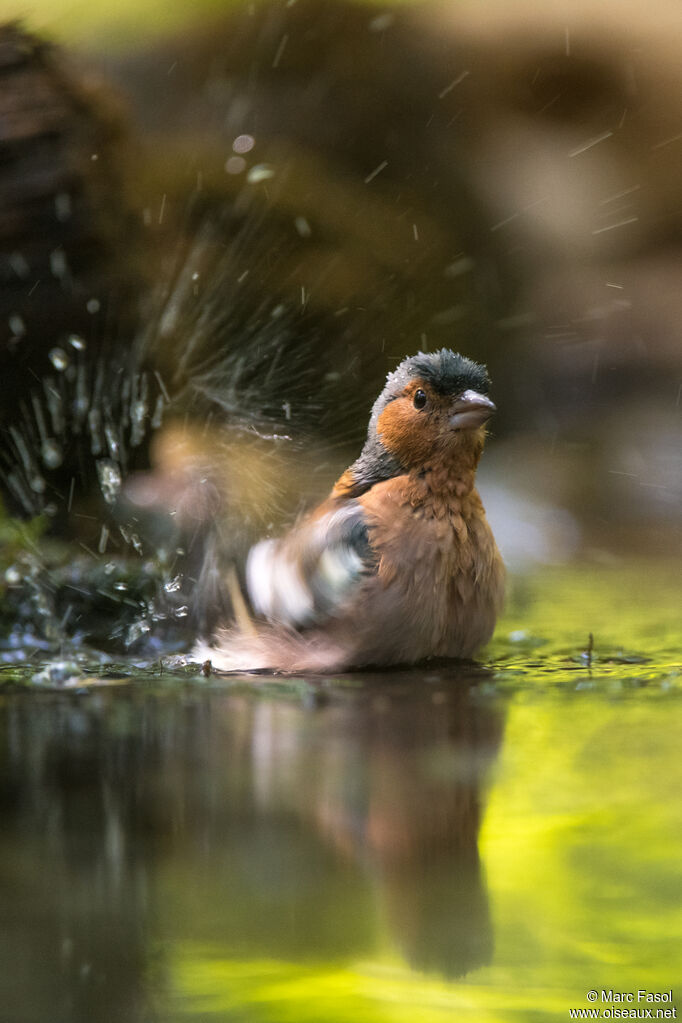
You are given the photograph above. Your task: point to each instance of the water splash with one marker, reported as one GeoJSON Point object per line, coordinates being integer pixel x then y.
{"type": "Point", "coordinates": [211, 345]}
{"type": "Point", "coordinates": [110, 481]}
{"type": "Point", "coordinates": [59, 359]}
{"type": "Point", "coordinates": [52, 453]}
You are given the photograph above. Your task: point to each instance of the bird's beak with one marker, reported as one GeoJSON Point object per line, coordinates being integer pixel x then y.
{"type": "Point", "coordinates": [471, 409]}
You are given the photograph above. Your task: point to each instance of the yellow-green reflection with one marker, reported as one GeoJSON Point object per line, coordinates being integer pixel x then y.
{"type": "Point", "coordinates": [580, 845]}
{"type": "Point", "coordinates": [211, 987]}
{"type": "Point", "coordinates": [579, 842]}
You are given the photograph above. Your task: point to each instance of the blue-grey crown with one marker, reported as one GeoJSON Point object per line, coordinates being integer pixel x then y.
{"type": "Point", "coordinates": [447, 372]}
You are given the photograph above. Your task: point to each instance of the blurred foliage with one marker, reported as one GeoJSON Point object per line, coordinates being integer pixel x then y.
{"type": "Point", "coordinates": [77, 21]}
{"type": "Point", "coordinates": [125, 25]}
{"type": "Point", "coordinates": [17, 536]}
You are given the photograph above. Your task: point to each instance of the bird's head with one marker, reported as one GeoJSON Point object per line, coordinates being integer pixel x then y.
{"type": "Point", "coordinates": [431, 413]}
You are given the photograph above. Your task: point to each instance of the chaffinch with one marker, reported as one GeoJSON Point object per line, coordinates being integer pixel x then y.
{"type": "Point", "coordinates": [399, 563]}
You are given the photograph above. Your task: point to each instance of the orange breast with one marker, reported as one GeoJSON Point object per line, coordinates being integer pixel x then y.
{"type": "Point", "coordinates": [440, 579]}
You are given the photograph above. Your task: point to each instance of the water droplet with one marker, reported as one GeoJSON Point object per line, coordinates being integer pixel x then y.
{"type": "Point", "coordinates": [173, 585]}
{"type": "Point", "coordinates": [303, 227]}
{"type": "Point", "coordinates": [62, 206]}
{"type": "Point", "coordinates": [12, 576]}
{"type": "Point", "coordinates": [18, 488]}
{"type": "Point", "coordinates": [81, 401]}
{"type": "Point", "coordinates": [138, 411]}
{"type": "Point", "coordinates": [94, 425]}
{"type": "Point", "coordinates": [103, 540]}
{"type": "Point", "coordinates": [131, 538]}
{"type": "Point", "coordinates": [58, 264]}
{"type": "Point", "coordinates": [109, 475]}
{"type": "Point", "coordinates": [112, 440]}
{"type": "Point", "coordinates": [92, 305]}
{"type": "Point", "coordinates": [139, 408]}
{"type": "Point", "coordinates": [157, 418]}
{"type": "Point", "coordinates": [243, 143]}
{"type": "Point", "coordinates": [120, 587]}
{"type": "Point", "coordinates": [21, 446]}
{"type": "Point", "coordinates": [381, 22]}
{"type": "Point", "coordinates": [17, 325]}
{"type": "Point", "coordinates": [54, 404]}
{"type": "Point", "coordinates": [518, 635]}
{"type": "Point", "coordinates": [261, 172]}
{"type": "Point", "coordinates": [460, 266]}
{"type": "Point", "coordinates": [136, 631]}
{"type": "Point", "coordinates": [77, 342]}
{"type": "Point", "coordinates": [181, 612]}
{"type": "Point", "coordinates": [52, 453]}
{"type": "Point", "coordinates": [42, 605]}
{"type": "Point", "coordinates": [59, 359]}
{"type": "Point", "coordinates": [19, 264]}
{"type": "Point", "coordinates": [57, 673]}
{"type": "Point", "coordinates": [235, 165]}
{"type": "Point", "coordinates": [37, 484]}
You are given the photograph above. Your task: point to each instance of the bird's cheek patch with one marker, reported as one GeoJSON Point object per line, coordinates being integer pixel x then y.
{"type": "Point", "coordinates": [404, 432]}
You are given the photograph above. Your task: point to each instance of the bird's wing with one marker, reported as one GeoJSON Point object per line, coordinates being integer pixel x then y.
{"type": "Point", "coordinates": [304, 578]}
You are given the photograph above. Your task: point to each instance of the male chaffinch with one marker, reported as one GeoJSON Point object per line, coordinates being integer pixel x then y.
{"type": "Point", "coordinates": [399, 563]}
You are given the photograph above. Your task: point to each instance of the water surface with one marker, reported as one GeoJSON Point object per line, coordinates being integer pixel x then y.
{"type": "Point", "coordinates": [484, 842]}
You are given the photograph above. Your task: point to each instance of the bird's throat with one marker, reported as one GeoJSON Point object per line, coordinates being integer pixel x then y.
{"type": "Point", "coordinates": [375, 465]}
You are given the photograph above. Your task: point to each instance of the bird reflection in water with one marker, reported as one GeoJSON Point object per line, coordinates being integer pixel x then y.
{"type": "Point", "coordinates": [396, 788]}
{"type": "Point", "coordinates": [265, 828]}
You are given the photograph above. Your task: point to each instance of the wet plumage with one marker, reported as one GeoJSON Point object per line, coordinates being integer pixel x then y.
{"type": "Point", "coordinates": [399, 563]}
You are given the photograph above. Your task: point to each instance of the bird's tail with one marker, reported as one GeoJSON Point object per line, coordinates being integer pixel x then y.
{"type": "Point", "coordinates": [271, 648]}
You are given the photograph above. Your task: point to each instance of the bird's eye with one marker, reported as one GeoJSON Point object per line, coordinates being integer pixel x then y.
{"type": "Point", "coordinates": [419, 399]}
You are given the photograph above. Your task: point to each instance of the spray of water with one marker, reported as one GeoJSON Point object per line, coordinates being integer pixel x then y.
{"type": "Point", "coordinates": [223, 358]}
